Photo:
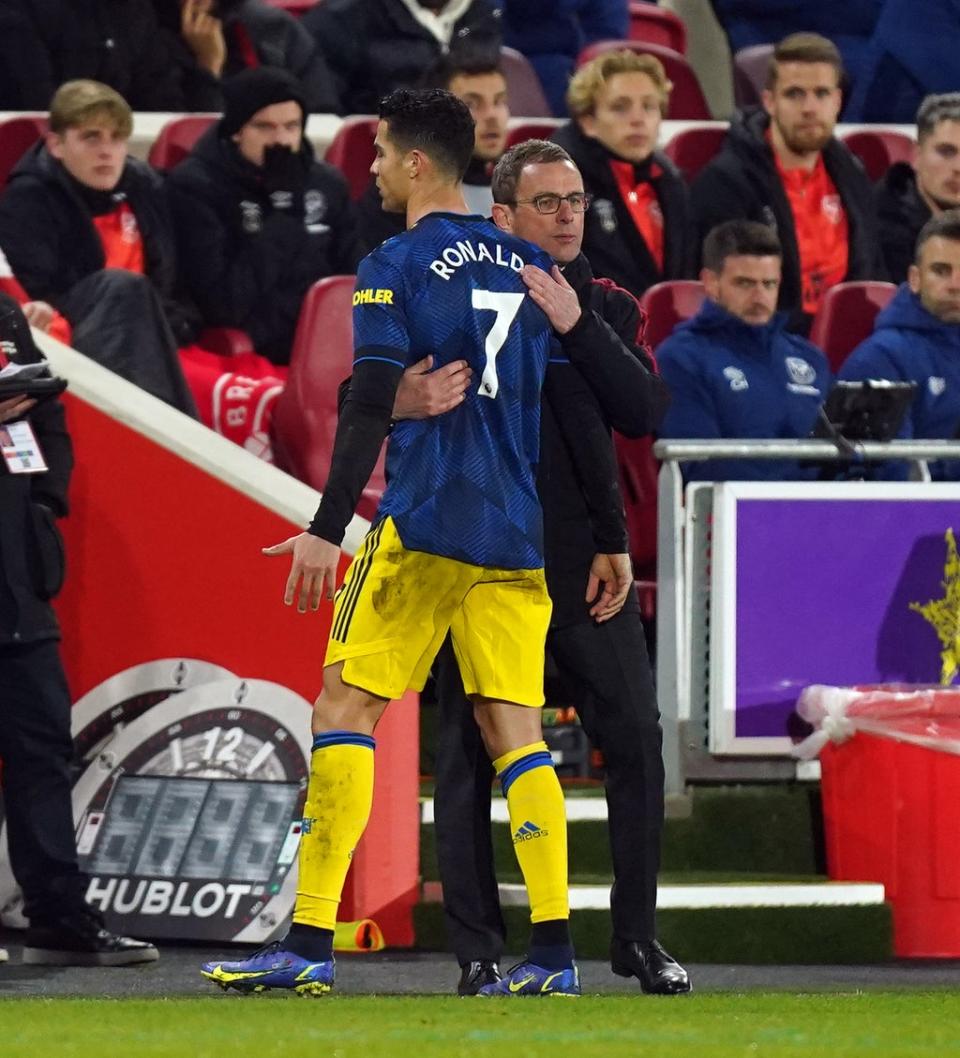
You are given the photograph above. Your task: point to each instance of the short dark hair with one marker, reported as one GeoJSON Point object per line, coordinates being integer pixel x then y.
{"type": "Point", "coordinates": [433, 121]}
{"type": "Point", "coordinates": [506, 173]}
{"type": "Point", "coordinates": [459, 64]}
{"type": "Point", "coordinates": [934, 109]}
{"type": "Point", "coordinates": [739, 238]}
{"type": "Point", "coordinates": [945, 225]}
{"type": "Point", "coordinates": [804, 47]}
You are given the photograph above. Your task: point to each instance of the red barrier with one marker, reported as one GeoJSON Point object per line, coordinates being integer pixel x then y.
{"type": "Point", "coordinates": [164, 561]}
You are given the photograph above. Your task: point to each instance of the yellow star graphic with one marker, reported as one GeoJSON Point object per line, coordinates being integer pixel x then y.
{"type": "Point", "coordinates": [944, 614]}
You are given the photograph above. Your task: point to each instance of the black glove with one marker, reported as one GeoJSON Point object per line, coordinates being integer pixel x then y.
{"type": "Point", "coordinates": [284, 177]}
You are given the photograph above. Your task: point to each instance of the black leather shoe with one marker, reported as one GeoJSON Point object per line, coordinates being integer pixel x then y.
{"type": "Point", "coordinates": [659, 974]}
{"type": "Point", "coordinates": [474, 975]}
{"type": "Point", "coordinates": [83, 940]}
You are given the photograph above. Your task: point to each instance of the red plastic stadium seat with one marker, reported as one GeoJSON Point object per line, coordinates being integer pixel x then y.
{"type": "Point", "coordinates": [687, 101]}
{"type": "Point", "coordinates": [638, 481]}
{"type": "Point", "coordinates": [352, 152]}
{"type": "Point", "coordinates": [523, 86]}
{"type": "Point", "coordinates": [531, 130]}
{"type": "Point", "coordinates": [669, 303]}
{"type": "Point", "coordinates": [305, 417]}
{"type": "Point", "coordinates": [878, 149]}
{"type": "Point", "coordinates": [177, 139]}
{"type": "Point", "coordinates": [691, 149]}
{"type": "Point", "coordinates": [655, 25]}
{"type": "Point", "coordinates": [750, 67]}
{"type": "Point", "coordinates": [846, 317]}
{"type": "Point", "coordinates": [17, 136]}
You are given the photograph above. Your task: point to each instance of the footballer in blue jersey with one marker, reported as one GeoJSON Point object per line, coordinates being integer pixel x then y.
{"type": "Point", "coordinates": [462, 484]}
{"type": "Point", "coordinates": [456, 546]}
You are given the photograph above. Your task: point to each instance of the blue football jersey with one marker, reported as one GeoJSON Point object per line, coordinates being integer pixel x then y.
{"type": "Point", "coordinates": [461, 484]}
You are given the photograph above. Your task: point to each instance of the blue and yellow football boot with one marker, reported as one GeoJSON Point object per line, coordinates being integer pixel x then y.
{"type": "Point", "coordinates": [272, 967]}
{"type": "Point", "coordinates": [527, 979]}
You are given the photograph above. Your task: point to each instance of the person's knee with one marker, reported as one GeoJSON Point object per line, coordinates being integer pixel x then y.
{"type": "Point", "coordinates": [505, 726]}
{"type": "Point", "coordinates": [342, 707]}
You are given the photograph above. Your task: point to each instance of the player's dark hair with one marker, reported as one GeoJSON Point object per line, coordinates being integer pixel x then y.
{"type": "Point", "coordinates": [945, 225]}
{"type": "Point", "coordinates": [459, 64]}
{"type": "Point", "coordinates": [506, 174]}
{"type": "Point", "coordinates": [739, 238]}
{"type": "Point", "coordinates": [432, 121]}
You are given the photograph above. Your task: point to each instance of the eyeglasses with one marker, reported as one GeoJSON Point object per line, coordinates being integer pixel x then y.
{"type": "Point", "coordinates": [579, 202]}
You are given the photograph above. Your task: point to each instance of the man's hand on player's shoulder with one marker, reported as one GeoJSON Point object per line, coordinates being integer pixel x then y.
{"type": "Point", "coordinates": [313, 569]}
{"type": "Point", "coordinates": [423, 393]}
{"type": "Point", "coordinates": [554, 295]}
{"type": "Point", "coordinates": [614, 575]}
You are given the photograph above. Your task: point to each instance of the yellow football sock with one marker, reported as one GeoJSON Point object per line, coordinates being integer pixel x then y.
{"type": "Point", "coordinates": [538, 823]}
{"type": "Point", "coordinates": [335, 815]}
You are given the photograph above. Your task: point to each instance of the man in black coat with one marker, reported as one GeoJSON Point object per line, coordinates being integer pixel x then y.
{"type": "Point", "coordinates": [638, 230]}
{"type": "Point", "coordinates": [781, 165]}
{"type": "Point", "coordinates": [258, 218]}
{"type": "Point", "coordinates": [35, 740]}
{"type": "Point", "coordinates": [225, 37]}
{"type": "Point", "coordinates": [539, 196]}
{"type": "Point", "coordinates": [374, 46]}
{"type": "Point", "coordinates": [87, 229]}
{"type": "Point", "coordinates": [44, 43]}
{"type": "Point", "coordinates": [909, 195]}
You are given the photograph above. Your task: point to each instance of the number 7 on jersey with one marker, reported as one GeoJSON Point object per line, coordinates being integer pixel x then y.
{"type": "Point", "coordinates": [506, 306]}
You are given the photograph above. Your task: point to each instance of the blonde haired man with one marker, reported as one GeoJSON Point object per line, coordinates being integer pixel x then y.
{"type": "Point", "coordinates": [638, 230]}
{"type": "Point", "coordinates": [87, 229]}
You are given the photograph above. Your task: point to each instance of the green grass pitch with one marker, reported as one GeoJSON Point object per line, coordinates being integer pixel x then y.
{"type": "Point", "coordinates": [717, 1025]}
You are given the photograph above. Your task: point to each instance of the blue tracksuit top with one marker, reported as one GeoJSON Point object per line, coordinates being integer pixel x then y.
{"type": "Point", "coordinates": [909, 344]}
{"type": "Point", "coordinates": [732, 379]}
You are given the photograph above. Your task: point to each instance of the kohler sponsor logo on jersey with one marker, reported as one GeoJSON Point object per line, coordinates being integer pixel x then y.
{"type": "Point", "coordinates": [156, 896]}
{"type": "Point", "coordinates": [456, 256]}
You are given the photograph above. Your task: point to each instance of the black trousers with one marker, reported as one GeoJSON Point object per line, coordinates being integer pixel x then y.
{"type": "Point", "coordinates": [36, 749]}
{"type": "Point", "coordinates": [609, 667]}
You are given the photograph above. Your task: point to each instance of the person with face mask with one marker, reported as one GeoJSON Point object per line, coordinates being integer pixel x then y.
{"type": "Point", "coordinates": [258, 219]}
{"type": "Point", "coordinates": [781, 164]}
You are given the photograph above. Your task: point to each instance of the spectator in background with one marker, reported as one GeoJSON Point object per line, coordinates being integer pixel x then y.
{"type": "Point", "coordinates": [228, 36]}
{"type": "Point", "coordinates": [638, 230]}
{"type": "Point", "coordinates": [909, 195]}
{"type": "Point", "coordinates": [35, 740]}
{"type": "Point", "coordinates": [912, 54]}
{"type": "Point", "coordinates": [780, 164]}
{"type": "Point", "coordinates": [479, 82]}
{"type": "Point", "coordinates": [258, 218]}
{"type": "Point", "coordinates": [87, 229]}
{"type": "Point", "coordinates": [733, 370]}
{"type": "Point", "coordinates": [44, 43]}
{"type": "Point", "coordinates": [374, 46]}
{"type": "Point", "coordinates": [916, 338]}
{"type": "Point", "coordinates": [849, 24]}
{"type": "Point", "coordinates": [552, 33]}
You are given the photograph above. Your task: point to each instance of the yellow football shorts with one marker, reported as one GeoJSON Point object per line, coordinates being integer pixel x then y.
{"type": "Point", "coordinates": [396, 606]}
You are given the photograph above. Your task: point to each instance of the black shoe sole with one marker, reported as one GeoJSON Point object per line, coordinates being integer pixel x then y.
{"type": "Point", "coordinates": [59, 957]}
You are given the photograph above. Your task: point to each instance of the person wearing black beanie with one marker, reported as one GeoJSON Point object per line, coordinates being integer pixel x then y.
{"type": "Point", "coordinates": [258, 218]}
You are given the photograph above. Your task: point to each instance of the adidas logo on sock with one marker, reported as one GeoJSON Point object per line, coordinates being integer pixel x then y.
{"type": "Point", "coordinates": [527, 832]}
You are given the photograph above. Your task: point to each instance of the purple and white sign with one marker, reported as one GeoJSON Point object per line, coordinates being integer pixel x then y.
{"type": "Point", "coordinates": [836, 584]}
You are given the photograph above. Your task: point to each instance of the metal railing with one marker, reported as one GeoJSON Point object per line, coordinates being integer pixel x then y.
{"type": "Point", "coordinates": [683, 750]}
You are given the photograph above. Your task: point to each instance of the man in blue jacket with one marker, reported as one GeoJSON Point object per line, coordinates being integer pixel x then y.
{"type": "Point", "coordinates": [917, 337]}
{"type": "Point", "coordinates": [733, 370]}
